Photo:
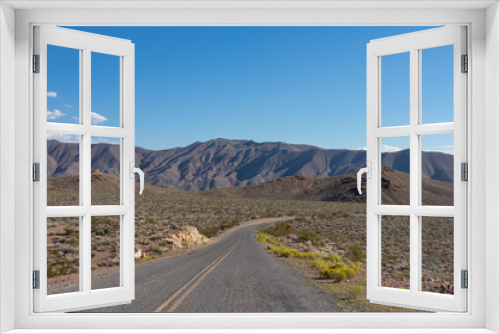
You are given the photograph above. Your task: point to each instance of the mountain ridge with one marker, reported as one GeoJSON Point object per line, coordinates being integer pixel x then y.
{"type": "Point", "coordinates": [223, 163]}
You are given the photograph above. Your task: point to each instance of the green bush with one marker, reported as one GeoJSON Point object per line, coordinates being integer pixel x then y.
{"type": "Point", "coordinates": [339, 265]}
{"type": "Point", "coordinates": [261, 237]}
{"type": "Point", "coordinates": [356, 253]}
{"type": "Point", "coordinates": [319, 264]}
{"type": "Point", "coordinates": [353, 291]}
{"type": "Point", "coordinates": [308, 235]}
{"type": "Point", "coordinates": [310, 255]}
{"type": "Point", "coordinates": [349, 272]}
{"type": "Point", "coordinates": [276, 230]}
{"type": "Point", "coordinates": [334, 274]}
{"type": "Point", "coordinates": [333, 257]}
{"type": "Point", "coordinates": [209, 232]}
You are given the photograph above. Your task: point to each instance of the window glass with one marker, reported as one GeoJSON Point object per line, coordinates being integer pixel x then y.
{"type": "Point", "coordinates": [105, 90]}
{"type": "Point", "coordinates": [437, 169]}
{"type": "Point", "coordinates": [395, 171]}
{"type": "Point", "coordinates": [395, 89]}
{"type": "Point", "coordinates": [63, 255]}
{"type": "Point", "coordinates": [395, 252]}
{"type": "Point", "coordinates": [105, 252]}
{"type": "Point", "coordinates": [63, 169]}
{"type": "Point", "coordinates": [437, 84]}
{"type": "Point", "coordinates": [63, 85]}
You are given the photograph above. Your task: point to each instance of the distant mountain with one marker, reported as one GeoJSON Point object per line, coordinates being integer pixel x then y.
{"type": "Point", "coordinates": [222, 163]}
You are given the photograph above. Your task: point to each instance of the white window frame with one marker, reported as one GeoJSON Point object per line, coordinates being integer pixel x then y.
{"type": "Point", "coordinates": [482, 19]}
{"type": "Point", "coordinates": [414, 43]}
{"type": "Point", "coordinates": [86, 44]}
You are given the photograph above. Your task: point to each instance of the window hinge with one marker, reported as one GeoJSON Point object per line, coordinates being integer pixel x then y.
{"type": "Point", "coordinates": [36, 63]}
{"type": "Point", "coordinates": [36, 279]}
{"type": "Point", "coordinates": [465, 64]}
{"type": "Point", "coordinates": [36, 172]}
{"type": "Point", "coordinates": [465, 279]}
{"type": "Point", "coordinates": [464, 171]}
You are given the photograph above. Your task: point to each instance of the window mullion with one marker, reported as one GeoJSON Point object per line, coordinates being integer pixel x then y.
{"type": "Point", "coordinates": [85, 173]}
{"type": "Point", "coordinates": [414, 168]}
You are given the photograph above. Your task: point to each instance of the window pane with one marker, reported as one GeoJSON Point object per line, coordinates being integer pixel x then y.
{"type": "Point", "coordinates": [105, 171]}
{"type": "Point", "coordinates": [437, 84]}
{"type": "Point", "coordinates": [395, 90]}
{"type": "Point", "coordinates": [105, 90]}
{"type": "Point", "coordinates": [105, 252]}
{"type": "Point", "coordinates": [395, 251]}
{"type": "Point", "coordinates": [437, 169]}
{"type": "Point", "coordinates": [437, 254]}
{"type": "Point", "coordinates": [395, 182]}
{"type": "Point", "coordinates": [63, 255]}
{"type": "Point", "coordinates": [63, 85]}
{"type": "Point", "coordinates": [63, 169]}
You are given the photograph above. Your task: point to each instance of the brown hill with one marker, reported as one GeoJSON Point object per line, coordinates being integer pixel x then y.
{"type": "Point", "coordinates": [102, 183]}
{"type": "Point", "coordinates": [223, 163]}
{"type": "Point", "coordinates": [341, 188]}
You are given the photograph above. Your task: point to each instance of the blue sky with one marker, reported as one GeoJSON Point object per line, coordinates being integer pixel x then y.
{"type": "Point", "coordinates": [301, 85]}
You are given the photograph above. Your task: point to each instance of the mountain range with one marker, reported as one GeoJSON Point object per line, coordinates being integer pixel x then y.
{"type": "Point", "coordinates": [223, 163]}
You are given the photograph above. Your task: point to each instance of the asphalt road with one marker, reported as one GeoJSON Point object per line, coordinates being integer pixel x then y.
{"type": "Point", "coordinates": [237, 274]}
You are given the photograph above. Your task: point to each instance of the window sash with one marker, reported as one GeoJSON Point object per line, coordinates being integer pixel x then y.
{"type": "Point", "coordinates": [87, 43]}
{"type": "Point", "coordinates": [413, 43]}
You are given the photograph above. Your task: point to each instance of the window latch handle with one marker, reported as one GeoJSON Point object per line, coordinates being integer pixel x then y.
{"type": "Point", "coordinates": [368, 171]}
{"type": "Point", "coordinates": [133, 171]}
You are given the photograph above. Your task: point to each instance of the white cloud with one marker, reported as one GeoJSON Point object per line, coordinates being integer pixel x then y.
{"type": "Point", "coordinates": [52, 94]}
{"type": "Point", "coordinates": [55, 114]}
{"type": "Point", "coordinates": [105, 140]}
{"type": "Point", "coordinates": [97, 119]}
{"type": "Point", "coordinates": [390, 148]}
{"type": "Point", "coordinates": [68, 106]}
{"type": "Point", "coordinates": [64, 138]}
{"type": "Point", "coordinates": [385, 148]}
{"type": "Point", "coordinates": [447, 149]}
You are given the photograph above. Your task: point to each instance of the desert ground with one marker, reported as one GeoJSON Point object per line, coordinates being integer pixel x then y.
{"type": "Point", "coordinates": [326, 244]}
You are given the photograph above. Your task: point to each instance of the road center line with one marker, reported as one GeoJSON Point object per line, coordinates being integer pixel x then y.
{"type": "Point", "coordinates": [181, 299]}
{"type": "Point", "coordinates": [212, 265]}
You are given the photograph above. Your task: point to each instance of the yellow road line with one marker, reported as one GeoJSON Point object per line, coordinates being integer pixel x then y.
{"type": "Point", "coordinates": [181, 299]}
{"type": "Point", "coordinates": [211, 265]}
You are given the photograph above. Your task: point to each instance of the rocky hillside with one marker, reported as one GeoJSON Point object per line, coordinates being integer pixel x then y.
{"type": "Point", "coordinates": [342, 188]}
{"type": "Point", "coordinates": [223, 163]}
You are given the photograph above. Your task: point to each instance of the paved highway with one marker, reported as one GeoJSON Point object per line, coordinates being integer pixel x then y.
{"type": "Point", "coordinates": [236, 274]}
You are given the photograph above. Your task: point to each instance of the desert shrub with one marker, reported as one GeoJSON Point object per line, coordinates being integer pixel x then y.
{"type": "Point", "coordinates": [356, 268]}
{"type": "Point", "coordinates": [261, 237]}
{"type": "Point", "coordinates": [334, 274]}
{"type": "Point", "coordinates": [319, 264]}
{"type": "Point", "coordinates": [155, 248]}
{"type": "Point", "coordinates": [228, 224]}
{"type": "Point", "coordinates": [276, 230]}
{"type": "Point", "coordinates": [209, 232]}
{"type": "Point", "coordinates": [290, 252]}
{"type": "Point", "coordinates": [286, 252]}
{"type": "Point", "coordinates": [339, 265]}
{"type": "Point", "coordinates": [403, 273]}
{"type": "Point", "coordinates": [353, 291]}
{"type": "Point", "coordinates": [333, 257]}
{"type": "Point", "coordinates": [349, 272]}
{"type": "Point", "coordinates": [146, 258]}
{"type": "Point", "coordinates": [308, 235]}
{"type": "Point", "coordinates": [356, 253]}
{"type": "Point", "coordinates": [310, 255]}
